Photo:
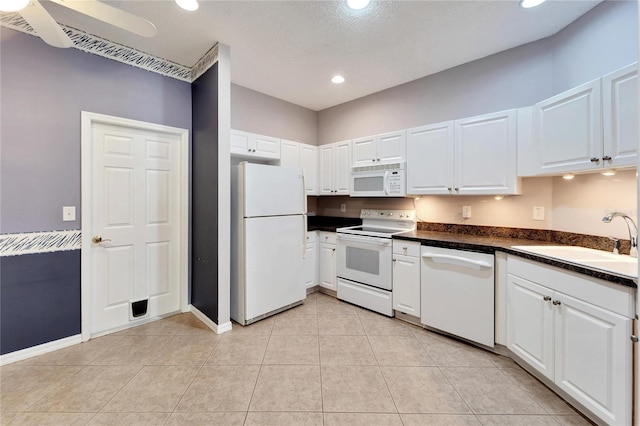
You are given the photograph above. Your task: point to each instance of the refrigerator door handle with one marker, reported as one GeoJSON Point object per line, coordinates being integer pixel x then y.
{"type": "Point", "coordinates": [304, 191]}
{"type": "Point", "coordinates": [304, 235]}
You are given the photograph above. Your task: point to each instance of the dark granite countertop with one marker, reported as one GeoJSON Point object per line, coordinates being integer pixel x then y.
{"type": "Point", "coordinates": [330, 223]}
{"type": "Point", "coordinates": [487, 244]}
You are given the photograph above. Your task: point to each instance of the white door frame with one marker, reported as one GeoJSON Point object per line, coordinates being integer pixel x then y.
{"type": "Point", "coordinates": [88, 119]}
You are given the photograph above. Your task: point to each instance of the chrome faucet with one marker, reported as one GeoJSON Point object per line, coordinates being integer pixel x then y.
{"type": "Point", "coordinates": [633, 234]}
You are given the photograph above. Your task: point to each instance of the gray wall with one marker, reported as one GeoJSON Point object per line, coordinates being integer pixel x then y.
{"type": "Point", "coordinates": [601, 41]}
{"type": "Point", "coordinates": [256, 112]}
{"type": "Point", "coordinates": [44, 89]}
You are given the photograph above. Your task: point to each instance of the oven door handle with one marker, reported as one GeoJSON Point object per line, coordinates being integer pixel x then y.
{"type": "Point", "coordinates": [457, 260]}
{"type": "Point", "coordinates": [364, 240]}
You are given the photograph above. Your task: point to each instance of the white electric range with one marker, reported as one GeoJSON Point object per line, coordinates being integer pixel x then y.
{"type": "Point", "coordinates": [364, 261]}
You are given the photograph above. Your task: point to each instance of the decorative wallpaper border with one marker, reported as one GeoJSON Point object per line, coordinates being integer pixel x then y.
{"type": "Point", "coordinates": [107, 49]}
{"type": "Point", "coordinates": [39, 242]}
{"type": "Point", "coordinates": [206, 62]}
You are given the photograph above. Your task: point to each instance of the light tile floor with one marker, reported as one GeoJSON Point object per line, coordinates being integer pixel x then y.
{"type": "Point", "coordinates": [323, 363]}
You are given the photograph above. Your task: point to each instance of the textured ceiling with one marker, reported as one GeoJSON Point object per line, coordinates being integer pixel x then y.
{"type": "Point", "coordinates": [290, 49]}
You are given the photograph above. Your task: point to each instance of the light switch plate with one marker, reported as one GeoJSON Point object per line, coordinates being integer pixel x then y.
{"type": "Point", "coordinates": [538, 213]}
{"type": "Point", "coordinates": [343, 208]}
{"type": "Point", "coordinates": [466, 212]}
{"type": "Point", "coordinates": [68, 213]}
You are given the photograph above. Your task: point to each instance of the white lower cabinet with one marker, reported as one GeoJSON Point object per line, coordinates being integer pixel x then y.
{"type": "Point", "coordinates": [573, 340]}
{"type": "Point", "coordinates": [406, 277]}
{"type": "Point", "coordinates": [310, 262]}
{"type": "Point", "coordinates": [327, 255]}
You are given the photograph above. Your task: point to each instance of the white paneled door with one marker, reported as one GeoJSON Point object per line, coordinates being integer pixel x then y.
{"type": "Point", "coordinates": [134, 242]}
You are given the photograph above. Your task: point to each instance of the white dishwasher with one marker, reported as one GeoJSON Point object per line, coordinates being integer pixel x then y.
{"type": "Point", "coordinates": [457, 293]}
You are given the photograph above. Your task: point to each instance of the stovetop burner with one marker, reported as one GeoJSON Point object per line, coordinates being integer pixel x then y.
{"type": "Point", "coordinates": [382, 223]}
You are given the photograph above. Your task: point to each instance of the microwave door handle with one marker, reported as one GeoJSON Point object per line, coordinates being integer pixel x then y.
{"type": "Point", "coordinates": [385, 188]}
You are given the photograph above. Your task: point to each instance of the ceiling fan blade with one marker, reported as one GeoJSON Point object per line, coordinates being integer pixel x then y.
{"type": "Point", "coordinates": [44, 25]}
{"type": "Point", "coordinates": [111, 15]}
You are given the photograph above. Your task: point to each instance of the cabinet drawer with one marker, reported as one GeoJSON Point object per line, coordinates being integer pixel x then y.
{"type": "Point", "coordinates": [312, 237]}
{"type": "Point", "coordinates": [328, 237]}
{"type": "Point", "coordinates": [407, 248]}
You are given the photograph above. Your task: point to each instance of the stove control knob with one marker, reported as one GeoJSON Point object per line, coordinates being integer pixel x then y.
{"type": "Point", "coordinates": [401, 215]}
{"type": "Point", "coordinates": [390, 214]}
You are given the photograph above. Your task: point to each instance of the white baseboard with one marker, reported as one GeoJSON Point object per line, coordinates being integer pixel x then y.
{"type": "Point", "coordinates": [218, 329]}
{"type": "Point", "coordinates": [44, 348]}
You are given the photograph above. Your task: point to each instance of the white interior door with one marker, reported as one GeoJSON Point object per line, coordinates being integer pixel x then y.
{"type": "Point", "coordinates": [133, 239]}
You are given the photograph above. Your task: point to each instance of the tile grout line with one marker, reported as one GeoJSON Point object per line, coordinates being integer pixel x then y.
{"type": "Point", "coordinates": [195, 376]}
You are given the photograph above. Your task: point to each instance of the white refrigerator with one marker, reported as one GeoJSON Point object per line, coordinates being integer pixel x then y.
{"type": "Point", "coordinates": [268, 240]}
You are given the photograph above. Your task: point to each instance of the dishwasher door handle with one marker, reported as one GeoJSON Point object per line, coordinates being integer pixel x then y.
{"type": "Point", "coordinates": [457, 260]}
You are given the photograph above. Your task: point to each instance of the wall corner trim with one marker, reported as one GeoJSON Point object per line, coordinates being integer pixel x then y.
{"type": "Point", "coordinates": [218, 329]}
{"type": "Point", "coordinates": [44, 348]}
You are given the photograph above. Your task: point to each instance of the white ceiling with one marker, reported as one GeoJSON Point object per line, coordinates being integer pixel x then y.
{"type": "Point", "coordinates": [290, 49]}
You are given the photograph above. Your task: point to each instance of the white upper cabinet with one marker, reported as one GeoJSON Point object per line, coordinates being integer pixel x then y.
{"type": "Point", "coordinates": [289, 154]}
{"type": "Point", "coordinates": [309, 163]}
{"type": "Point", "coordinates": [589, 127]}
{"type": "Point", "coordinates": [299, 155]}
{"type": "Point", "coordinates": [430, 145]}
{"type": "Point", "coordinates": [380, 149]}
{"type": "Point", "coordinates": [475, 155]}
{"type": "Point", "coordinates": [335, 168]}
{"type": "Point", "coordinates": [485, 154]}
{"type": "Point", "coordinates": [568, 130]}
{"type": "Point", "coordinates": [620, 117]}
{"type": "Point", "coordinates": [251, 145]}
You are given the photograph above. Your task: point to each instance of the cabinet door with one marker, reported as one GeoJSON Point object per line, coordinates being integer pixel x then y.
{"type": "Point", "coordinates": [342, 167]}
{"type": "Point", "coordinates": [309, 163]}
{"type": "Point", "coordinates": [530, 323]}
{"type": "Point", "coordinates": [310, 265]}
{"type": "Point", "coordinates": [593, 358]}
{"type": "Point", "coordinates": [328, 266]}
{"type": "Point", "coordinates": [267, 147]}
{"type": "Point", "coordinates": [239, 143]}
{"type": "Point", "coordinates": [289, 153]}
{"type": "Point", "coordinates": [326, 170]}
{"type": "Point", "coordinates": [391, 147]}
{"type": "Point", "coordinates": [486, 155]}
{"type": "Point", "coordinates": [620, 117]}
{"type": "Point", "coordinates": [406, 284]}
{"type": "Point", "coordinates": [430, 159]}
{"type": "Point", "coordinates": [568, 130]}
{"type": "Point", "coordinates": [364, 151]}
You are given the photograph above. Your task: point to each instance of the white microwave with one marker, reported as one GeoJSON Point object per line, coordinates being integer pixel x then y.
{"type": "Point", "coordinates": [379, 181]}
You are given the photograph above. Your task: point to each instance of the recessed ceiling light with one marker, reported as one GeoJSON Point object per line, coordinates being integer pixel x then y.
{"type": "Point", "coordinates": [189, 5]}
{"type": "Point", "coordinates": [13, 5]}
{"type": "Point", "coordinates": [357, 4]}
{"type": "Point", "coordinates": [568, 176]}
{"type": "Point", "coordinates": [337, 79]}
{"type": "Point", "coordinates": [530, 3]}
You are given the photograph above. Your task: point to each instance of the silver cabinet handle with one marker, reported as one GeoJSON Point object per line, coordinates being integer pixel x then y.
{"type": "Point", "coordinates": [594, 160]}
{"type": "Point", "coordinates": [546, 298]}
{"type": "Point", "coordinates": [606, 158]}
{"type": "Point", "coordinates": [556, 302]}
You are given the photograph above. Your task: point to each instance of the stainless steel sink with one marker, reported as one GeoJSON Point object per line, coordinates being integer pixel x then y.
{"type": "Point", "coordinates": [598, 259]}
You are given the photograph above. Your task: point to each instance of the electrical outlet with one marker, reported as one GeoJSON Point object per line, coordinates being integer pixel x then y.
{"type": "Point", "coordinates": [538, 213]}
{"type": "Point", "coordinates": [466, 212]}
{"type": "Point", "coordinates": [68, 213]}
{"type": "Point", "coordinates": [343, 208]}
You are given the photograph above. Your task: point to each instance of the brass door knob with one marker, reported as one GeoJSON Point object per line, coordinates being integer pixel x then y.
{"type": "Point", "coordinates": [98, 239]}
